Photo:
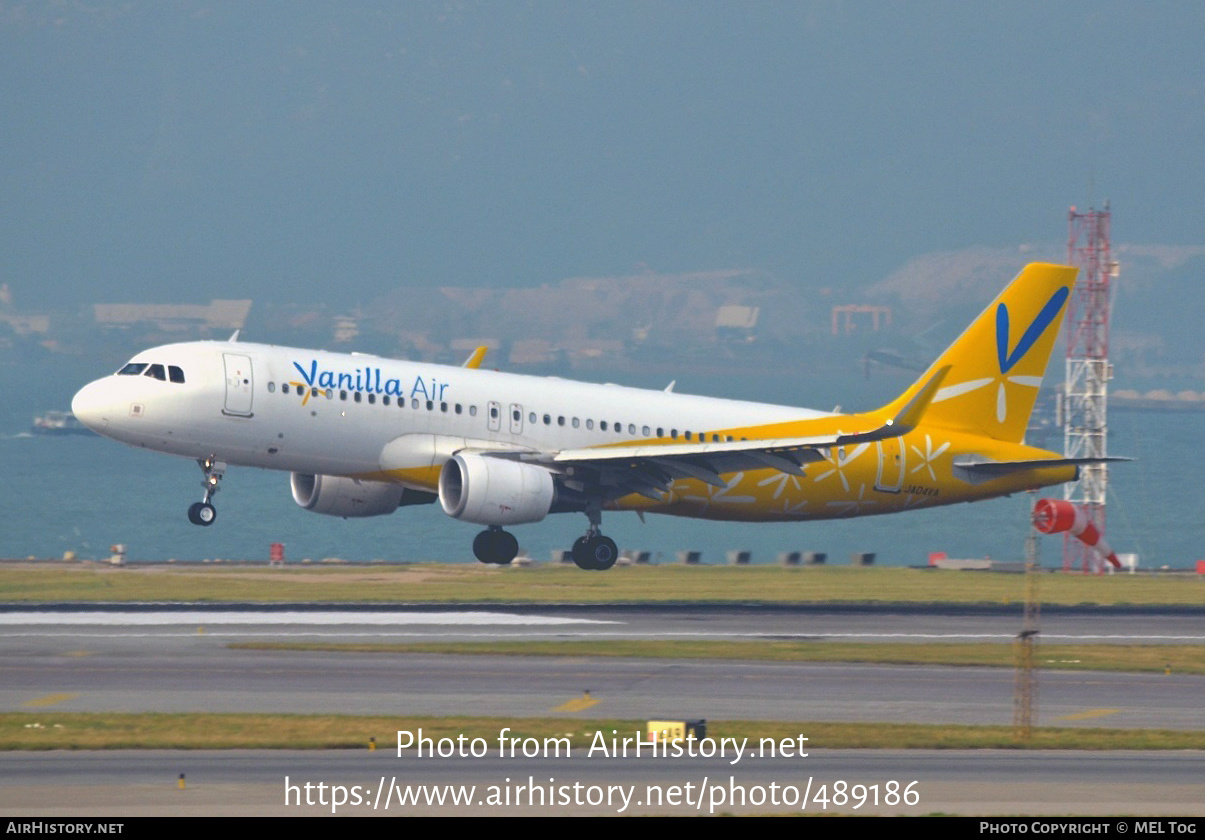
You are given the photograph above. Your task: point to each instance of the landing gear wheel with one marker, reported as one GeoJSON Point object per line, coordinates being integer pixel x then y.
{"type": "Point", "coordinates": [580, 554]}
{"type": "Point", "coordinates": [495, 546]}
{"type": "Point", "coordinates": [605, 552]}
{"type": "Point", "coordinates": [595, 553]}
{"type": "Point", "coordinates": [202, 513]}
{"type": "Point", "coordinates": [506, 548]}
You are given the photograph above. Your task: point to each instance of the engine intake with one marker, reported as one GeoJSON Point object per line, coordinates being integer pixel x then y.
{"type": "Point", "coordinates": [495, 491]}
{"type": "Point", "coordinates": [343, 496]}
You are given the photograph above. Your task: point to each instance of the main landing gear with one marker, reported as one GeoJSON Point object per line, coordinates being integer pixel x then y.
{"type": "Point", "coordinates": [594, 552]}
{"type": "Point", "coordinates": [203, 512]}
{"type": "Point", "coordinates": [495, 546]}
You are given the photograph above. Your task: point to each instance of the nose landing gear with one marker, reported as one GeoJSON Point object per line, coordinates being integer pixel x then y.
{"type": "Point", "coordinates": [203, 512]}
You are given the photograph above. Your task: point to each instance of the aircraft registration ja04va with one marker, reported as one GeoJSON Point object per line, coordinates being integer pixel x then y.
{"type": "Point", "coordinates": [364, 435]}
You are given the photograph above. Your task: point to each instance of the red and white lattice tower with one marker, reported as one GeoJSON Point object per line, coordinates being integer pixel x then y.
{"type": "Point", "coordinates": [1085, 426]}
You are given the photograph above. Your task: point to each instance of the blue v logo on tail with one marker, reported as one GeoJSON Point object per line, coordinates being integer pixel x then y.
{"type": "Point", "coordinates": [1038, 326]}
{"type": "Point", "coordinates": [993, 383]}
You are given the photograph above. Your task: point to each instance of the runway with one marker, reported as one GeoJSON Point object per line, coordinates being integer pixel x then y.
{"type": "Point", "coordinates": [382, 783]}
{"type": "Point", "coordinates": [902, 623]}
{"type": "Point", "coordinates": [175, 660]}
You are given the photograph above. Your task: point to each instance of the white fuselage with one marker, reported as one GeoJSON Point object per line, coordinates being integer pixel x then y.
{"type": "Point", "coordinates": [318, 412]}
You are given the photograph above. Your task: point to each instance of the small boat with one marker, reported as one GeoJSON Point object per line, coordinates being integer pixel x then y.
{"type": "Point", "coordinates": [59, 423]}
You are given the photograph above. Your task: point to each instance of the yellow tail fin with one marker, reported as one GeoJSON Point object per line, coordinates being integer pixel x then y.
{"type": "Point", "coordinates": [996, 365]}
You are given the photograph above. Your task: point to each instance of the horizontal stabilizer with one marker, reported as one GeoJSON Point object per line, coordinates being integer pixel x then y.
{"type": "Point", "coordinates": [978, 470]}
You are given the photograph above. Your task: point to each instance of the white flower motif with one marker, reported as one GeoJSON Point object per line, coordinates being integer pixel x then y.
{"type": "Point", "coordinates": [961, 388]}
{"type": "Point", "coordinates": [929, 456]}
{"type": "Point", "coordinates": [782, 479]}
{"type": "Point", "coordinates": [720, 494]}
{"type": "Point", "coordinates": [788, 508]}
{"type": "Point", "coordinates": [840, 461]}
{"type": "Point", "coordinates": [853, 506]}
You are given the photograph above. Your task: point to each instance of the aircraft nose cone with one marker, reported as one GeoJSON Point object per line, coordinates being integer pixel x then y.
{"type": "Point", "coordinates": [90, 406]}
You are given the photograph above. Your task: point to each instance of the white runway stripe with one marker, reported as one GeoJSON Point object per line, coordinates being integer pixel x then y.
{"type": "Point", "coordinates": [324, 619]}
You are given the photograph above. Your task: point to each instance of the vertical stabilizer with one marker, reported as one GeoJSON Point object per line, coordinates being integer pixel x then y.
{"type": "Point", "coordinates": [996, 366]}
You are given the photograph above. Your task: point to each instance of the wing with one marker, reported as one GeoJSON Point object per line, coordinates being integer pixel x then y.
{"type": "Point", "coordinates": [648, 469]}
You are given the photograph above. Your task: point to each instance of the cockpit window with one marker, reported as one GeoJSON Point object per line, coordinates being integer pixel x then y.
{"type": "Point", "coordinates": [132, 369]}
{"type": "Point", "coordinates": [175, 373]}
{"type": "Point", "coordinates": [156, 372]}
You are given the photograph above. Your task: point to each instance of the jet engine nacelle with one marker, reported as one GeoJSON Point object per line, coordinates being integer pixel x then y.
{"type": "Point", "coordinates": [495, 491]}
{"type": "Point", "coordinates": [342, 496]}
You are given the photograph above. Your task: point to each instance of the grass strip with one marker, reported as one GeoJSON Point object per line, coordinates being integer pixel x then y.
{"type": "Point", "coordinates": [83, 731]}
{"type": "Point", "coordinates": [1178, 659]}
{"type": "Point", "coordinates": [546, 584]}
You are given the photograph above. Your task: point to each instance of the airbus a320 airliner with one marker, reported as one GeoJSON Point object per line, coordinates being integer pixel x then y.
{"type": "Point", "coordinates": [364, 435]}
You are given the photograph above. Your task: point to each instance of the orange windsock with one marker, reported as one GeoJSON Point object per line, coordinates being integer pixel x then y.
{"type": "Point", "coordinates": [1051, 516]}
